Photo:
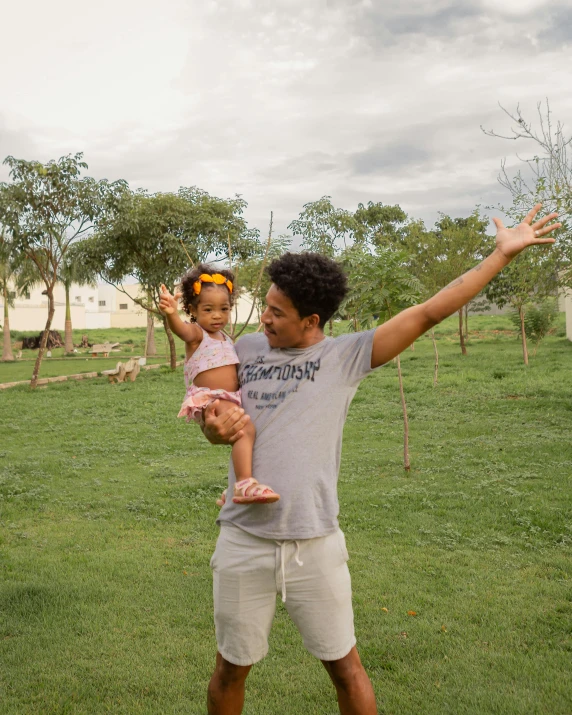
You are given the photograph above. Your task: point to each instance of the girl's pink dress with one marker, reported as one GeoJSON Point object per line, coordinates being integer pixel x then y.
{"type": "Point", "coordinates": [210, 353]}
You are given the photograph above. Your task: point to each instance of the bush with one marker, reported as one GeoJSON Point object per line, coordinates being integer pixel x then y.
{"type": "Point", "coordinates": [538, 320]}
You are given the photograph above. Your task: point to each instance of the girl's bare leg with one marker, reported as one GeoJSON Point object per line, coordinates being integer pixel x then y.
{"type": "Point", "coordinates": [242, 448]}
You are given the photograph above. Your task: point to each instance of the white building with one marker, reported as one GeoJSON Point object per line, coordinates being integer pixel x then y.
{"type": "Point", "coordinates": [568, 309]}
{"type": "Point", "coordinates": [103, 306]}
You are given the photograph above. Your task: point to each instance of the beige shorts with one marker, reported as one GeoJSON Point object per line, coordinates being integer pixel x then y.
{"type": "Point", "coordinates": [313, 578]}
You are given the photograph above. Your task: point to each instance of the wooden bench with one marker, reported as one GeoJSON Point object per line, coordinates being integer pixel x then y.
{"type": "Point", "coordinates": [104, 348]}
{"type": "Point", "coordinates": [123, 370]}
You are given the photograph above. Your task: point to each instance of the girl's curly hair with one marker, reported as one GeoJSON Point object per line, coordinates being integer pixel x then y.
{"type": "Point", "coordinates": [314, 283]}
{"type": "Point", "coordinates": [190, 299]}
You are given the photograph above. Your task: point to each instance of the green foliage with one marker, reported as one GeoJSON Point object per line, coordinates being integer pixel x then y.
{"type": "Point", "coordinates": [378, 224]}
{"type": "Point", "coordinates": [380, 285]}
{"type": "Point", "coordinates": [538, 319]}
{"type": "Point", "coordinates": [247, 271]}
{"type": "Point", "coordinates": [46, 207]}
{"type": "Point", "coordinates": [323, 227]}
{"type": "Point", "coordinates": [154, 237]}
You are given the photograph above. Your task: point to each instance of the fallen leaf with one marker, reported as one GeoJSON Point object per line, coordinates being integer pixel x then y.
{"type": "Point", "coordinates": [411, 613]}
{"type": "Point", "coordinates": [184, 573]}
{"type": "Point", "coordinates": [385, 610]}
{"type": "Point", "coordinates": [444, 629]}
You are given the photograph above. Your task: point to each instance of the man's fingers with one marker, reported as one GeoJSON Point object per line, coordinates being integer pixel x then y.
{"type": "Point", "coordinates": [498, 223]}
{"type": "Point", "coordinates": [210, 409]}
{"type": "Point", "coordinates": [532, 213]}
{"type": "Point", "coordinates": [236, 437]}
{"type": "Point", "coordinates": [178, 296]}
{"type": "Point", "coordinates": [541, 223]}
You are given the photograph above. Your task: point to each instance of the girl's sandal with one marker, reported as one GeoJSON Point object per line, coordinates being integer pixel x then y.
{"type": "Point", "coordinates": [249, 491]}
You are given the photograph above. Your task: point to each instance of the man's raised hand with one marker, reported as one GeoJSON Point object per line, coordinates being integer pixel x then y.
{"type": "Point", "coordinates": [168, 303]}
{"type": "Point", "coordinates": [530, 232]}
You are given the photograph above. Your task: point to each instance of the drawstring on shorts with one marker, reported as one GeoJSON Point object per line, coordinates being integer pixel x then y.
{"type": "Point", "coordinates": [282, 545]}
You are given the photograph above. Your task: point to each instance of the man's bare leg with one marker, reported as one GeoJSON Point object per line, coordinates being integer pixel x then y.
{"type": "Point", "coordinates": [226, 690]}
{"type": "Point", "coordinates": [354, 689]}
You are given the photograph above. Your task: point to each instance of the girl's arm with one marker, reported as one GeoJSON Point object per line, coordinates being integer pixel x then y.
{"type": "Point", "coordinates": [169, 306]}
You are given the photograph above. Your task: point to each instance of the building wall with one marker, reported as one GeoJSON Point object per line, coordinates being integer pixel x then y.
{"type": "Point", "coordinates": [568, 306]}
{"type": "Point", "coordinates": [33, 317]}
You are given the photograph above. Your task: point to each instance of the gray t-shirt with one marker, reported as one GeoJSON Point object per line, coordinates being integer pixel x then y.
{"type": "Point", "coordinates": [298, 399]}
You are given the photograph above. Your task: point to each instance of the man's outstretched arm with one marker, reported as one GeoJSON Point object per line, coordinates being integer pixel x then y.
{"type": "Point", "coordinates": [393, 337]}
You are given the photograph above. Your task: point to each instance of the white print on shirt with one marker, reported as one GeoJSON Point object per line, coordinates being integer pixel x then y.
{"type": "Point", "coordinates": [252, 372]}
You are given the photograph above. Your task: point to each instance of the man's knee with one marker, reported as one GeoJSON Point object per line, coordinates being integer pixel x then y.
{"type": "Point", "coordinates": [228, 673]}
{"type": "Point", "coordinates": [346, 672]}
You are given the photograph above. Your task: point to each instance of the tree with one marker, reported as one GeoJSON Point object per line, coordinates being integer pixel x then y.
{"type": "Point", "coordinates": [546, 177]}
{"type": "Point", "coordinates": [16, 273]}
{"type": "Point", "coordinates": [530, 278]}
{"type": "Point", "coordinates": [72, 272]}
{"type": "Point", "coordinates": [452, 248]}
{"type": "Point", "coordinates": [381, 285]}
{"type": "Point", "coordinates": [322, 227]}
{"type": "Point", "coordinates": [378, 224]}
{"type": "Point", "coordinates": [46, 208]}
{"type": "Point", "coordinates": [21, 276]}
{"type": "Point", "coordinates": [251, 276]}
{"type": "Point", "coordinates": [154, 238]}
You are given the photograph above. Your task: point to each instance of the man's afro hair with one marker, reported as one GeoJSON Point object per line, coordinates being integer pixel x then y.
{"type": "Point", "coordinates": [314, 283]}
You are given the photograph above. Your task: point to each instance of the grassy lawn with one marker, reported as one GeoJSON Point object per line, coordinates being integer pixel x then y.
{"type": "Point", "coordinates": [132, 342]}
{"type": "Point", "coordinates": [107, 526]}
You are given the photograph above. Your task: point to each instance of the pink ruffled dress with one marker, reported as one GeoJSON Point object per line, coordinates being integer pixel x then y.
{"type": "Point", "coordinates": [210, 353]}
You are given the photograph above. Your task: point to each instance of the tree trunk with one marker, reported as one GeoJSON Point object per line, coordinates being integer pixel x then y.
{"type": "Point", "coordinates": [406, 463]}
{"type": "Point", "coordinates": [150, 348]}
{"type": "Point", "coordinates": [523, 334]}
{"type": "Point", "coordinates": [466, 311]}
{"type": "Point", "coordinates": [172, 347]}
{"type": "Point", "coordinates": [436, 371]}
{"type": "Point", "coordinates": [7, 355]}
{"type": "Point", "coordinates": [68, 341]}
{"type": "Point", "coordinates": [331, 324]}
{"type": "Point", "coordinates": [37, 364]}
{"type": "Point", "coordinates": [413, 347]}
{"type": "Point", "coordinates": [461, 333]}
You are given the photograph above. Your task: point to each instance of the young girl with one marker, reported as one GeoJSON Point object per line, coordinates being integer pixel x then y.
{"type": "Point", "coordinates": [210, 367]}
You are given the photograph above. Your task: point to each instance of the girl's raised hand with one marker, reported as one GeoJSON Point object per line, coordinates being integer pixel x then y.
{"type": "Point", "coordinates": [168, 303]}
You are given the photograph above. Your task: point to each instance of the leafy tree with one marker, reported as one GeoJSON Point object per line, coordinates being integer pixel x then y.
{"type": "Point", "coordinates": [46, 208]}
{"type": "Point", "coordinates": [381, 285]}
{"type": "Point", "coordinates": [72, 272]}
{"type": "Point", "coordinates": [322, 227]}
{"type": "Point", "coordinates": [250, 273]}
{"type": "Point", "coordinates": [378, 224]}
{"type": "Point", "coordinates": [154, 237]}
{"type": "Point", "coordinates": [530, 278]}
{"type": "Point", "coordinates": [15, 272]}
{"type": "Point", "coordinates": [545, 177]}
{"type": "Point", "coordinates": [538, 320]}
{"type": "Point", "coordinates": [452, 248]}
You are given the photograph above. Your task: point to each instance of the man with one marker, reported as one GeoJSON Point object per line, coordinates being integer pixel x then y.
{"type": "Point", "coordinates": [297, 385]}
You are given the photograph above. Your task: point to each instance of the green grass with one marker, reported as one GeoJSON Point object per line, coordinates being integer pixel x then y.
{"type": "Point", "coordinates": [132, 342]}
{"type": "Point", "coordinates": [107, 526]}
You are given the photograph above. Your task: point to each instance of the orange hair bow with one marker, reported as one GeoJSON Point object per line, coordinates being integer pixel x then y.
{"type": "Point", "coordinates": [217, 278]}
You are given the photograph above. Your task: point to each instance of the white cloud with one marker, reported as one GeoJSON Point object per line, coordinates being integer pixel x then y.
{"type": "Point", "coordinates": [286, 102]}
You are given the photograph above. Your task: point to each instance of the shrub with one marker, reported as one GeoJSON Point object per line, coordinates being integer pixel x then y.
{"type": "Point", "coordinates": [538, 320]}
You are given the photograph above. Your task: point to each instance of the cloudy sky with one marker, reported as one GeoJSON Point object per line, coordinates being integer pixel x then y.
{"type": "Point", "coordinates": [285, 101]}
